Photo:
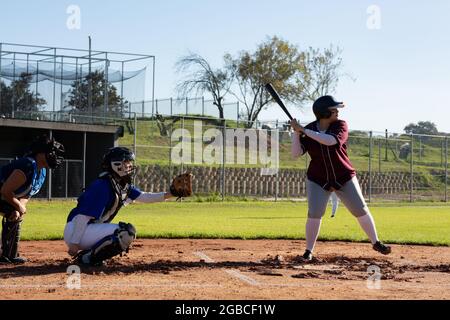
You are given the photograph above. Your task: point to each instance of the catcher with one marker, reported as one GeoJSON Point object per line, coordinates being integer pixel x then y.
{"type": "Point", "coordinates": [19, 181]}
{"type": "Point", "coordinates": [89, 234]}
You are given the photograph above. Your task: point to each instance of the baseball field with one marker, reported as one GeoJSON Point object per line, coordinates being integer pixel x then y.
{"type": "Point", "coordinates": [240, 250]}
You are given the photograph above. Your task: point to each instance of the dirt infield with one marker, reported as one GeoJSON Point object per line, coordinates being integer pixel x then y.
{"type": "Point", "coordinates": [233, 269]}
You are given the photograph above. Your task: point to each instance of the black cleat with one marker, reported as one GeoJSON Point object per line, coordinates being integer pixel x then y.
{"type": "Point", "coordinates": [83, 258]}
{"type": "Point", "coordinates": [307, 255]}
{"type": "Point", "coordinates": [16, 260]}
{"type": "Point", "coordinates": [381, 248]}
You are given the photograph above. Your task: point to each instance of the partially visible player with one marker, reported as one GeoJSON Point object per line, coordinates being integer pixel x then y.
{"type": "Point", "coordinates": [19, 181]}
{"type": "Point", "coordinates": [89, 234]}
{"type": "Point", "coordinates": [330, 170]}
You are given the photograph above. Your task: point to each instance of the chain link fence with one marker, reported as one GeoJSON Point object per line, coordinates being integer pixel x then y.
{"type": "Point", "coordinates": [230, 159]}
{"type": "Point", "coordinates": [390, 166]}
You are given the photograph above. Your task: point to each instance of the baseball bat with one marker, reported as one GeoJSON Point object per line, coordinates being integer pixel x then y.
{"type": "Point", "coordinates": [277, 99]}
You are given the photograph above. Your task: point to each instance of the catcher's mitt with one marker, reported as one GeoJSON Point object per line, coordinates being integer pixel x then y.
{"type": "Point", "coordinates": [181, 185]}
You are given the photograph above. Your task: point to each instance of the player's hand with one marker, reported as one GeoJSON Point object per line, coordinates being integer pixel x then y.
{"type": "Point", "coordinates": [14, 216]}
{"type": "Point", "coordinates": [73, 249]}
{"type": "Point", "coordinates": [296, 126]}
{"type": "Point", "coordinates": [22, 209]}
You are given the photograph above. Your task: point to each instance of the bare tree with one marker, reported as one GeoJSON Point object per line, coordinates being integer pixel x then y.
{"type": "Point", "coordinates": [321, 72]}
{"type": "Point", "coordinates": [298, 76]}
{"type": "Point", "coordinates": [200, 77]}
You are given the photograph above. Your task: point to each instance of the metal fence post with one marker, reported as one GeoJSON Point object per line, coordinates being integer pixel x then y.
{"type": "Point", "coordinates": [182, 144]}
{"type": "Point", "coordinates": [370, 166]}
{"type": "Point", "coordinates": [54, 81]}
{"type": "Point", "coordinates": [411, 164]}
{"type": "Point", "coordinates": [446, 169]}
{"type": "Point", "coordinates": [386, 146]}
{"type": "Point", "coordinates": [379, 156]}
{"type": "Point", "coordinates": [171, 106]}
{"type": "Point", "coordinates": [203, 106]}
{"type": "Point", "coordinates": [187, 102]}
{"type": "Point", "coordinates": [223, 157]}
{"type": "Point", "coordinates": [237, 114]}
{"type": "Point", "coordinates": [50, 173]}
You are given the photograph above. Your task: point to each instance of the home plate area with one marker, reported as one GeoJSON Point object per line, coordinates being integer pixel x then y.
{"type": "Point", "coordinates": [172, 269]}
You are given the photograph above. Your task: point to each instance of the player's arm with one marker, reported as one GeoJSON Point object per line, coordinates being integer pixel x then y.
{"type": "Point", "coordinates": [322, 138]}
{"type": "Point", "coordinates": [297, 148]}
{"type": "Point", "coordinates": [150, 197]}
{"type": "Point", "coordinates": [14, 182]}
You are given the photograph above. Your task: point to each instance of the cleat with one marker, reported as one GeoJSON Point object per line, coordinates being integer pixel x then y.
{"type": "Point", "coordinates": [16, 260]}
{"type": "Point", "coordinates": [307, 255]}
{"type": "Point", "coordinates": [381, 248]}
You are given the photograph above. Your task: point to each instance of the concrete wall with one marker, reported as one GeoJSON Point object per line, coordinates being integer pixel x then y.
{"type": "Point", "coordinates": [250, 182]}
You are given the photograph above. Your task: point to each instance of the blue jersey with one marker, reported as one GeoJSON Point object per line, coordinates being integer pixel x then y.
{"type": "Point", "coordinates": [34, 179]}
{"type": "Point", "coordinates": [101, 201]}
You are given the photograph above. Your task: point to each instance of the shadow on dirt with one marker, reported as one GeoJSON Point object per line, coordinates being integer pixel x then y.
{"type": "Point", "coordinates": [327, 265]}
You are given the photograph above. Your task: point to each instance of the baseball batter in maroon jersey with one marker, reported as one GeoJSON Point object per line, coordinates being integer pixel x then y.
{"type": "Point", "coordinates": [330, 170]}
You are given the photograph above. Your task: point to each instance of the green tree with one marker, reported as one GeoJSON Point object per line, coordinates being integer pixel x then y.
{"type": "Point", "coordinates": [79, 95]}
{"type": "Point", "coordinates": [18, 96]}
{"type": "Point", "coordinates": [422, 127]}
{"type": "Point", "coordinates": [298, 76]}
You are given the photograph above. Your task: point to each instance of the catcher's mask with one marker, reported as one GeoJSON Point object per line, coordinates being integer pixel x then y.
{"type": "Point", "coordinates": [119, 161]}
{"type": "Point", "coordinates": [322, 105]}
{"type": "Point", "coordinates": [53, 150]}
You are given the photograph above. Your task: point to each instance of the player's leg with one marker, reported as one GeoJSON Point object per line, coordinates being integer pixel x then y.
{"type": "Point", "coordinates": [317, 204]}
{"type": "Point", "coordinates": [102, 241]}
{"type": "Point", "coordinates": [11, 227]}
{"type": "Point", "coordinates": [351, 195]}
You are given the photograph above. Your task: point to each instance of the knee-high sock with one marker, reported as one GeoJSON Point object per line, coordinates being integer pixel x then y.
{"type": "Point", "coordinates": [312, 232]}
{"type": "Point", "coordinates": [368, 225]}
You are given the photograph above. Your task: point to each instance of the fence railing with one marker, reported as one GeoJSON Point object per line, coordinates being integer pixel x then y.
{"type": "Point", "coordinates": [390, 166]}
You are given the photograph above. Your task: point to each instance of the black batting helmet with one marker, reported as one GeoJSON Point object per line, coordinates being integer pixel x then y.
{"type": "Point", "coordinates": [53, 150]}
{"type": "Point", "coordinates": [321, 106]}
{"type": "Point", "coordinates": [113, 162]}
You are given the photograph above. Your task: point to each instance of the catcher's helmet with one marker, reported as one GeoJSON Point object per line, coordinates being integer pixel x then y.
{"type": "Point", "coordinates": [114, 162]}
{"type": "Point", "coordinates": [321, 106]}
{"type": "Point", "coordinates": [54, 151]}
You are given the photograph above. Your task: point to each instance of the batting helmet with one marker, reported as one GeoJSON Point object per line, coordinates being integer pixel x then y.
{"type": "Point", "coordinates": [54, 151]}
{"type": "Point", "coordinates": [321, 106]}
{"type": "Point", "coordinates": [114, 163]}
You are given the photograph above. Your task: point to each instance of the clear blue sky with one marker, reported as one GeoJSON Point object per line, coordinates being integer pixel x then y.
{"type": "Point", "coordinates": [402, 70]}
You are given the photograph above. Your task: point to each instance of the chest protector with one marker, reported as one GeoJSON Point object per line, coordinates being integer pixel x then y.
{"type": "Point", "coordinates": [120, 194]}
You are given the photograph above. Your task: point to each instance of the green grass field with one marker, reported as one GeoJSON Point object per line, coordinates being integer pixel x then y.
{"type": "Point", "coordinates": [402, 223]}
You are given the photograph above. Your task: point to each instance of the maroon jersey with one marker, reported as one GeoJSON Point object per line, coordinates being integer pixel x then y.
{"type": "Point", "coordinates": [330, 166]}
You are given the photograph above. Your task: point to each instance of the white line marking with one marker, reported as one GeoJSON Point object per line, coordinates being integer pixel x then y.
{"type": "Point", "coordinates": [244, 278]}
{"type": "Point", "coordinates": [203, 256]}
{"type": "Point", "coordinates": [233, 273]}
{"type": "Point", "coordinates": [94, 286]}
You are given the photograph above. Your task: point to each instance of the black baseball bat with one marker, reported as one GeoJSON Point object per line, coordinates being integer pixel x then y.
{"type": "Point", "coordinates": [277, 99]}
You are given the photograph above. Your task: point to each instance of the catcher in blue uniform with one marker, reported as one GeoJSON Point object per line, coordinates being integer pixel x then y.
{"type": "Point", "coordinates": [19, 181]}
{"type": "Point", "coordinates": [89, 234]}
